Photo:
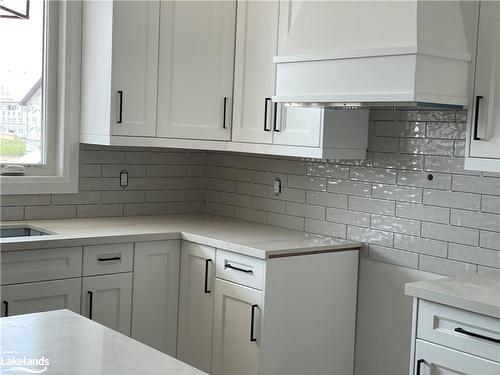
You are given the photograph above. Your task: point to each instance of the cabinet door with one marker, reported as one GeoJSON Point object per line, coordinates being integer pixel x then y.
{"type": "Point", "coordinates": [42, 296]}
{"type": "Point", "coordinates": [299, 126]}
{"type": "Point", "coordinates": [196, 304]}
{"type": "Point", "coordinates": [156, 289]}
{"type": "Point", "coordinates": [254, 71]}
{"type": "Point", "coordinates": [236, 343]}
{"type": "Point", "coordinates": [135, 66]}
{"type": "Point", "coordinates": [107, 299]}
{"type": "Point", "coordinates": [486, 115]}
{"type": "Point", "coordinates": [434, 359]}
{"type": "Point", "coordinates": [195, 81]}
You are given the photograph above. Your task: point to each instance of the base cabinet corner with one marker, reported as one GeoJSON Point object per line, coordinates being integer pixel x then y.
{"type": "Point", "coordinates": [156, 285]}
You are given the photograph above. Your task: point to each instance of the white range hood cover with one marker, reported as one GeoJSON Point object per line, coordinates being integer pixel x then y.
{"type": "Point", "coordinates": [374, 53]}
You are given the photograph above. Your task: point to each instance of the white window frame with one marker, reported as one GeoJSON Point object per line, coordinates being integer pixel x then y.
{"type": "Point", "coordinates": [62, 75]}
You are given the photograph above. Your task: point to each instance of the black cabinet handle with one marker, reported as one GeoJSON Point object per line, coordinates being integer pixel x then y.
{"type": "Point", "coordinates": [120, 106]}
{"type": "Point", "coordinates": [224, 113]}
{"type": "Point", "coordinates": [275, 118]}
{"type": "Point", "coordinates": [91, 302]}
{"type": "Point", "coordinates": [265, 114]}
{"type": "Point", "coordinates": [477, 335]}
{"type": "Point", "coordinates": [227, 265]}
{"type": "Point", "coordinates": [252, 324]}
{"type": "Point", "coordinates": [6, 308]}
{"type": "Point", "coordinates": [476, 118]}
{"type": "Point", "coordinates": [207, 262]}
{"type": "Point", "coordinates": [109, 259]}
{"type": "Point", "coordinates": [419, 362]}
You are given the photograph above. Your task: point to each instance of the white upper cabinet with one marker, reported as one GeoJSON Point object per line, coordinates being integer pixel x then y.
{"type": "Point", "coordinates": [298, 126]}
{"type": "Point", "coordinates": [198, 75]}
{"type": "Point", "coordinates": [254, 72]}
{"type": "Point", "coordinates": [196, 59]}
{"type": "Point", "coordinates": [135, 61]}
{"type": "Point", "coordinates": [484, 135]}
{"type": "Point", "coordinates": [119, 69]}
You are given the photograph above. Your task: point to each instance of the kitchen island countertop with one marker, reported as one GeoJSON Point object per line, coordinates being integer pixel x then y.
{"type": "Point", "coordinates": [65, 343]}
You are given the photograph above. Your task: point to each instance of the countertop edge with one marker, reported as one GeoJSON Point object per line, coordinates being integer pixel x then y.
{"type": "Point", "coordinates": [460, 302]}
{"type": "Point", "coordinates": [249, 249]}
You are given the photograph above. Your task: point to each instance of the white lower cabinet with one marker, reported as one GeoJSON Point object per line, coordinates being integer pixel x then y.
{"type": "Point", "coordinates": [237, 339]}
{"type": "Point", "coordinates": [432, 359]}
{"type": "Point", "coordinates": [448, 340]}
{"type": "Point", "coordinates": [156, 286]}
{"type": "Point", "coordinates": [42, 296]}
{"type": "Point", "coordinates": [196, 305]}
{"type": "Point", "coordinates": [107, 299]}
{"type": "Point", "coordinates": [223, 312]}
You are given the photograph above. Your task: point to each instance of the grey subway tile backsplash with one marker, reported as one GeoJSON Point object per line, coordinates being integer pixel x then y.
{"type": "Point", "coordinates": [447, 223]}
{"type": "Point", "coordinates": [411, 200]}
{"type": "Point", "coordinates": [156, 176]}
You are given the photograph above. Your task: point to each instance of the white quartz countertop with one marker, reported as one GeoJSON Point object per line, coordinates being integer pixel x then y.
{"type": "Point", "coordinates": [479, 293]}
{"type": "Point", "coordinates": [72, 344]}
{"type": "Point", "coordinates": [257, 240]}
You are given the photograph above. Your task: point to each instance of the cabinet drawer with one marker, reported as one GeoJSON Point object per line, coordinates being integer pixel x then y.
{"type": "Point", "coordinates": [104, 259]}
{"type": "Point", "coordinates": [39, 265]}
{"type": "Point", "coordinates": [43, 296]}
{"type": "Point", "coordinates": [437, 360]}
{"type": "Point", "coordinates": [240, 269]}
{"type": "Point", "coordinates": [459, 329]}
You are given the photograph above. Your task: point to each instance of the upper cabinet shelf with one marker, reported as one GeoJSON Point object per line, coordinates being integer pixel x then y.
{"type": "Point", "coordinates": [483, 137]}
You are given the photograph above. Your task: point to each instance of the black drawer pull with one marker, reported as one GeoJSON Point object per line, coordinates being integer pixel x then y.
{"type": "Point", "coordinates": [419, 363]}
{"type": "Point", "coordinates": [468, 333]}
{"type": "Point", "coordinates": [275, 118]}
{"type": "Point", "coordinates": [207, 262]}
{"type": "Point", "coordinates": [6, 308]}
{"type": "Point", "coordinates": [265, 114]}
{"type": "Point", "coordinates": [227, 265]}
{"type": "Point", "coordinates": [109, 259]}
{"type": "Point", "coordinates": [120, 107]}
{"type": "Point", "coordinates": [224, 113]}
{"type": "Point", "coordinates": [476, 118]}
{"type": "Point", "coordinates": [91, 302]}
{"type": "Point", "coordinates": [252, 324]}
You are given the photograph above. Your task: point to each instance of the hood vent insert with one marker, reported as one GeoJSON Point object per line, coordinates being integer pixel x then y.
{"type": "Point", "coordinates": [374, 53]}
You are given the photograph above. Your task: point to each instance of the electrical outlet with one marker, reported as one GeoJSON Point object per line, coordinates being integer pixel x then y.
{"type": "Point", "coordinates": [123, 178]}
{"type": "Point", "coordinates": [277, 186]}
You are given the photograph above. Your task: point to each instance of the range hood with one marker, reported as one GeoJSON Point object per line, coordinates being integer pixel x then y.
{"type": "Point", "coordinates": [365, 53]}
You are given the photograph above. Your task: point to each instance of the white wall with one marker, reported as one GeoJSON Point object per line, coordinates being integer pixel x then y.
{"type": "Point", "coordinates": [383, 330]}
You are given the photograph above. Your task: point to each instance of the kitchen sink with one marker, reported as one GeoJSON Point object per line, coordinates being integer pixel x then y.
{"type": "Point", "coordinates": [21, 231]}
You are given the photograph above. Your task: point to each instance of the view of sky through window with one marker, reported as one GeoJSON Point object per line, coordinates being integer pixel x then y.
{"type": "Point", "coordinates": [21, 67]}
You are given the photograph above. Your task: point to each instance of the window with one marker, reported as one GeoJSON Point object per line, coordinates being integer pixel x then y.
{"type": "Point", "coordinates": [23, 33]}
{"type": "Point", "coordinates": [39, 94]}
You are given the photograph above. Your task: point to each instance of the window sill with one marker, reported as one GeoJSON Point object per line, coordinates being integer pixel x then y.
{"type": "Point", "coordinates": [39, 184]}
